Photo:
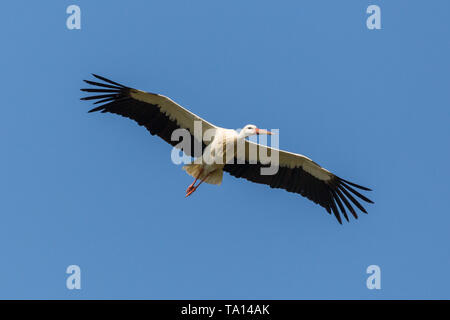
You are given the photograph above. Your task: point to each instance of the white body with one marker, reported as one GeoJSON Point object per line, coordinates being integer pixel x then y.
{"type": "Point", "coordinates": [209, 167]}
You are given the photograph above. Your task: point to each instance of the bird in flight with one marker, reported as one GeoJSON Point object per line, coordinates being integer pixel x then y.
{"type": "Point", "coordinates": [294, 172]}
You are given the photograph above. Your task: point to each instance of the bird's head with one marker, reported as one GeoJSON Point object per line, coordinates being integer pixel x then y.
{"type": "Point", "coordinates": [250, 130]}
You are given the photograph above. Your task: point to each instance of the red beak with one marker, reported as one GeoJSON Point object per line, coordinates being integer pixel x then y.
{"type": "Point", "coordinates": [262, 131]}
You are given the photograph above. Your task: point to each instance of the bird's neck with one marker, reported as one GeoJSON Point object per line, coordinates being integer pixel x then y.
{"type": "Point", "coordinates": [241, 135]}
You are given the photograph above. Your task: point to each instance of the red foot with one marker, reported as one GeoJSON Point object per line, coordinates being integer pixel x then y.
{"type": "Point", "coordinates": [190, 188]}
{"type": "Point", "coordinates": [190, 191]}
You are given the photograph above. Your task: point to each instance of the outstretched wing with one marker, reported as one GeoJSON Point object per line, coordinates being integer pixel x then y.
{"type": "Point", "coordinates": [299, 174]}
{"type": "Point", "coordinates": [157, 113]}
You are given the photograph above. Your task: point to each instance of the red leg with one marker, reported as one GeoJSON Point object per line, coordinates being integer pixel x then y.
{"type": "Point", "coordinates": [195, 180]}
{"type": "Point", "coordinates": [188, 193]}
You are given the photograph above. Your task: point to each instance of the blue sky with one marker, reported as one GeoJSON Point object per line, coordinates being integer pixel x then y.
{"type": "Point", "coordinates": [98, 191]}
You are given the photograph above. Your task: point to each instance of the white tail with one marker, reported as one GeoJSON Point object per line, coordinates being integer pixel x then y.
{"type": "Point", "coordinates": [194, 170]}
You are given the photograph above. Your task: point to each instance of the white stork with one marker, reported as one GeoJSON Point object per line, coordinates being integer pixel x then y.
{"type": "Point", "coordinates": [296, 173]}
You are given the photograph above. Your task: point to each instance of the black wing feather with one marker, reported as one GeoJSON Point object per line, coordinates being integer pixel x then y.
{"type": "Point", "coordinates": [333, 195]}
{"type": "Point", "coordinates": [117, 100]}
